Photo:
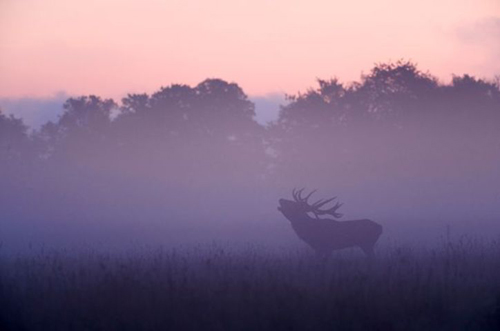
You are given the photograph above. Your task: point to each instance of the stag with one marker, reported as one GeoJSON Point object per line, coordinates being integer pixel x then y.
{"type": "Point", "coordinates": [325, 235]}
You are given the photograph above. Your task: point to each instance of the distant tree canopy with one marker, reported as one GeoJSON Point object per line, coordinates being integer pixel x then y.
{"type": "Point", "coordinates": [209, 127]}
{"type": "Point", "coordinates": [206, 131]}
{"type": "Point", "coordinates": [180, 124]}
{"type": "Point", "coordinates": [373, 123]}
{"type": "Point", "coordinates": [81, 130]}
{"type": "Point", "coordinates": [214, 109]}
{"type": "Point", "coordinates": [14, 141]}
{"type": "Point", "coordinates": [397, 121]}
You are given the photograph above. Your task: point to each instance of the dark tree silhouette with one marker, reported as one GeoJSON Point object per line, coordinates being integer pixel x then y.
{"type": "Point", "coordinates": [14, 140]}
{"type": "Point", "coordinates": [397, 121]}
{"type": "Point", "coordinates": [81, 133]}
{"type": "Point", "coordinates": [18, 166]}
{"type": "Point", "coordinates": [184, 131]}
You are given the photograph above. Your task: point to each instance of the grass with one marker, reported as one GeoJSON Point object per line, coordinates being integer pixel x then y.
{"type": "Point", "coordinates": [455, 286]}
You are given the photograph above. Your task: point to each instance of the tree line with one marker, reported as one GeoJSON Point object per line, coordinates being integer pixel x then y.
{"type": "Point", "coordinates": [395, 122]}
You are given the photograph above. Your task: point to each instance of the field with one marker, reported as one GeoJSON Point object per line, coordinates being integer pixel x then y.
{"type": "Point", "coordinates": [453, 286]}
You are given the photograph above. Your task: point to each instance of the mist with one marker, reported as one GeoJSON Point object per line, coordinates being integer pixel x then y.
{"type": "Point", "coordinates": [192, 164]}
{"type": "Point", "coordinates": [193, 169]}
{"type": "Point", "coordinates": [34, 111]}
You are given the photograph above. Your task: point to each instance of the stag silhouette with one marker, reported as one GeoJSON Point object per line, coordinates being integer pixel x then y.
{"type": "Point", "coordinates": [325, 235]}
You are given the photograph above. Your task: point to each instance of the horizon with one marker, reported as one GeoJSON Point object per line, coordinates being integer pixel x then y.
{"type": "Point", "coordinates": [35, 111]}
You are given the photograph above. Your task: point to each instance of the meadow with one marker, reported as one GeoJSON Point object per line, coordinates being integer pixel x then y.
{"type": "Point", "coordinates": [451, 286]}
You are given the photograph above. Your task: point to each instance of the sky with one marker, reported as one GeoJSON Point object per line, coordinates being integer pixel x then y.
{"type": "Point", "coordinates": [269, 47]}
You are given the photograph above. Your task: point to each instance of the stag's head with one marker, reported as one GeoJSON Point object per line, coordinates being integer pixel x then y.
{"type": "Point", "coordinates": [298, 208]}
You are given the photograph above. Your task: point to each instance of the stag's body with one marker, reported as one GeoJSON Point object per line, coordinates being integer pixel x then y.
{"type": "Point", "coordinates": [327, 235]}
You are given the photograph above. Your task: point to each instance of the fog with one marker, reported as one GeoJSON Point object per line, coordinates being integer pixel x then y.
{"type": "Point", "coordinates": [191, 164]}
{"type": "Point", "coordinates": [34, 111]}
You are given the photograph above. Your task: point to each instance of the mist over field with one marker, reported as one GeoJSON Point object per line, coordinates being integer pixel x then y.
{"type": "Point", "coordinates": [168, 202]}
{"type": "Point", "coordinates": [191, 164]}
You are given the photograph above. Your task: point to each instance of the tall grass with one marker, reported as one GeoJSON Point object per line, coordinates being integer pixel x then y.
{"type": "Point", "coordinates": [455, 286]}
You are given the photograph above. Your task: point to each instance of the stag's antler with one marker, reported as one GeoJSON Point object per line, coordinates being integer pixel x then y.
{"type": "Point", "coordinates": [331, 211]}
{"type": "Point", "coordinates": [297, 195]}
{"type": "Point", "coordinates": [315, 207]}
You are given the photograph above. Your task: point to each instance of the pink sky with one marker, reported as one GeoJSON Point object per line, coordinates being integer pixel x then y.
{"type": "Point", "coordinates": [112, 47]}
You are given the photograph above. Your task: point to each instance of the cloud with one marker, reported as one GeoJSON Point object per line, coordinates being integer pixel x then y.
{"type": "Point", "coordinates": [34, 111]}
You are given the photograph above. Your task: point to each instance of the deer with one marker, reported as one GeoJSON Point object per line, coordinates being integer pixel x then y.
{"type": "Point", "coordinates": [324, 235]}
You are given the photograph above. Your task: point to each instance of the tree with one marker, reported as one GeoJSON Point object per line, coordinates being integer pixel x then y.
{"type": "Point", "coordinates": [17, 162]}
{"type": "Point", "coordinates": [396, 118]}
{"type": "Point", "coordinates": [82, 131]}
{"type": "Point", "coordinates": [191, 130]}
{"type": "Point", "coordinates": [14, 141]}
